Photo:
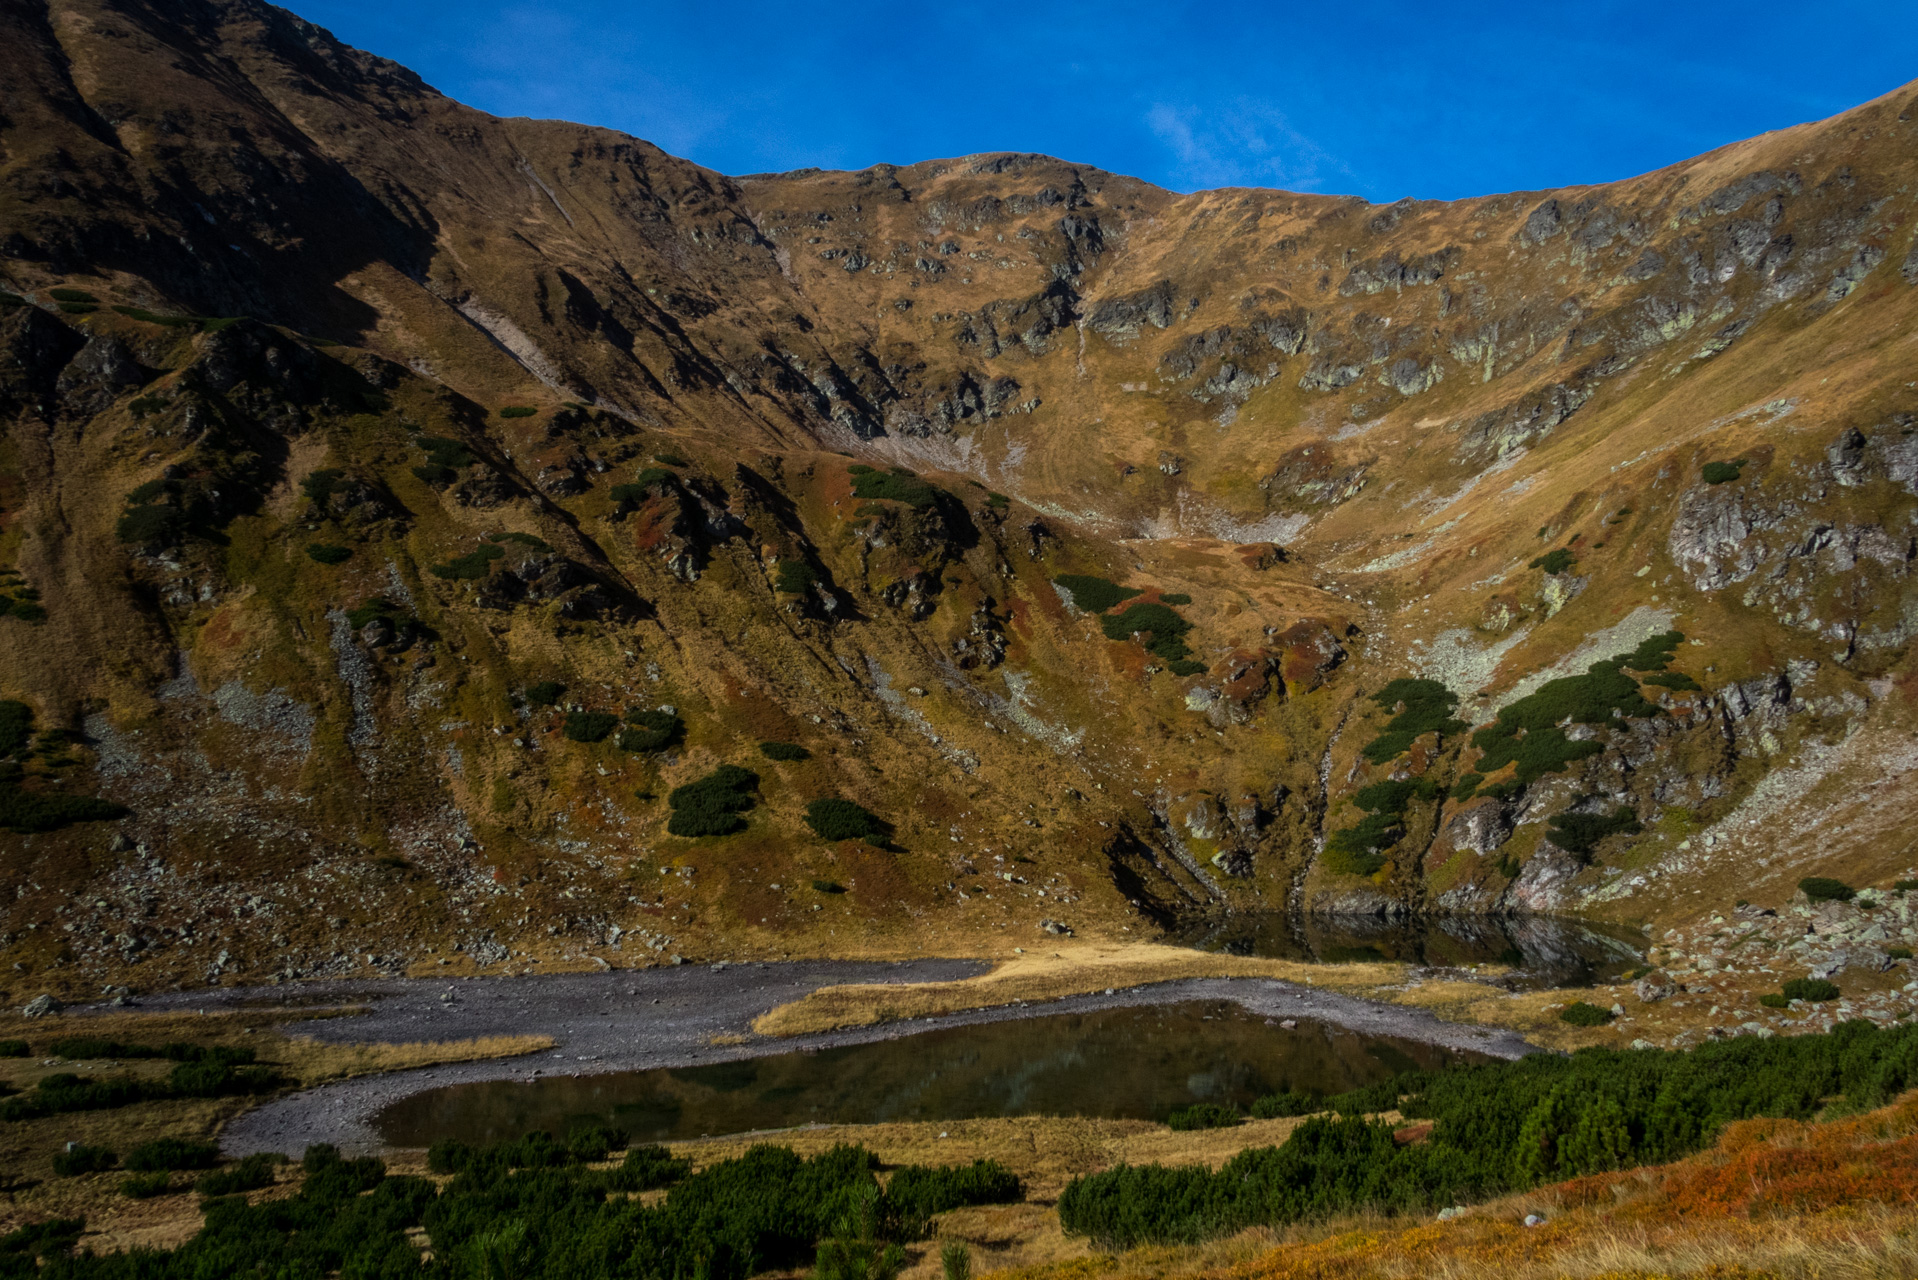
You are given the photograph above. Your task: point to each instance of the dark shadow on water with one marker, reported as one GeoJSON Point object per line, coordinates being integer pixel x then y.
{"type": "Point", "coordinates": [1545, 952]}
{"type": "Point", "coordinates": [1137, 1063]}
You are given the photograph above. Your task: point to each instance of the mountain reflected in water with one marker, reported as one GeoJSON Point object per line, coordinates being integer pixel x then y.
{"type": "Point", "coordinates": [1544, 952]}
{"type": "Point", "coordinates": [1135, 1063]}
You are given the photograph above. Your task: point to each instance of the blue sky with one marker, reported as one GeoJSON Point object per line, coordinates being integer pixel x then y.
{"type": "Point", "coordinates": [1380, 99]}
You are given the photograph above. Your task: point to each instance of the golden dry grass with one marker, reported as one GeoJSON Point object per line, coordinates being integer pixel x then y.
{"type": "Point", "coordinates": [312, 1061]}
{"type": "Point", "coordinates": [27, 1147]}
{"type": "Point", "coordinates": [1770, 1199]}
{"type": "Point", "coordinates": [1079, 968]}
{"type": "Point", "coordinates": [1045, 1152]}
{"type": "Point", "coordinates": [1065, 970]}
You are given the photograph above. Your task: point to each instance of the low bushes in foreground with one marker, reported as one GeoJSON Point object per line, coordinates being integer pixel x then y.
{"type": "Point", "coordinates": [213, 1077]}
{"type": "Point", "coordinates": [1497, 1128]}
{"type": "Point", "coordinates": [533, 1208]}
{"type": "Point", "coordinates": [1203, 1115]}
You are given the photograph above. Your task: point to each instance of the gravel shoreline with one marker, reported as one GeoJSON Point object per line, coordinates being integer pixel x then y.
{"type": "Point", "coordinates": [642, 1019]}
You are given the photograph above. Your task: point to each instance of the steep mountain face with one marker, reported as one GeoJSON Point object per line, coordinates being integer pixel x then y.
{"type": "Point", "coordinates": [400, 504]}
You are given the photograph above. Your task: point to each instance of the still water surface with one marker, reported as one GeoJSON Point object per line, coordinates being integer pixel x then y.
{"type": "Point", "coordinates": [1135, 1063]}
{"type": "Point", "coordinates": [1545, 952]}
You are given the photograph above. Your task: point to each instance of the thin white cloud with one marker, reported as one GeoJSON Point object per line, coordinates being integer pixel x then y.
{"type": "Point", "coordinates": [1246, 143]}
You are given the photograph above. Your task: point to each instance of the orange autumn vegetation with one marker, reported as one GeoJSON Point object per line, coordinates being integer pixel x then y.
{"type": "Point", "coordinates": [1773, 1198]}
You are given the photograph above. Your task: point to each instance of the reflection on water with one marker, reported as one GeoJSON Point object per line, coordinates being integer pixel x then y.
{"type": "Point", "coordinates": [1547, 952]}
{"type": "Point", "coordinates": [1136, 1063]}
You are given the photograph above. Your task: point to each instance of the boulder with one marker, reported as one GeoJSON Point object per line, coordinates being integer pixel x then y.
{"type": "Point", "coordinates": [41, 1006]}
{"type": "Point", "coordinates": [1653, 988]}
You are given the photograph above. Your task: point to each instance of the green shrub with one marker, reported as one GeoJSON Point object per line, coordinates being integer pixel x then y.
{"type": "Point", "coordinates": [1185, 667]}
{"type": "Point", "coordinates": [154, 317]}
{"type": "Point", "coordinates": [151, 526]}
{"type": "Point", "coordinates": [1174, 597]}
{"type": "Point", "coordinates": [590, 1143]}
{"type": "Point", "coordinates": [25, 812]}
{"type": "Point", "coordinates": [518, 411]}
{"type": "Point", "coordinates": [531, 541]}
{"type": "Point", "coordinates": [1274, 1106]}
{"type": "Point", "coordinates": [141, 406]}
{"type": "Point", "coordinates": [152, 489]}
{"type": "Point", "coordinates": [1773, 1000]}
{"type": "Point", "coordinates": [786, 752]}
{"type": "Point", "coordinates": [590, 726]}
{"type": "Point", "coordinates": [1203, 1115]}
{"type": "Point", "coordinates": [834, 819]}
{"type": "Point", "coordinates": [77, 308]}
{"type": "Point", "coordinates": [650, 731]}
{"type": "Point", "coordinates": [896, 485]}
{"type": "Point", "coordinates": [1898, 953]}
{"type": "Point", "coordinates": [998, 501]}
{"type": "Point", "coordinates": [647, 1169]}
{"type": "Point", "coordinates": [219, 1078]}
{"type": "Point", "coordinates": [1166, 629]}
{"type": "Point", "coordinates": [328, 554]}
{"type": "Point", "coordinates": [434, 476]}
{"type": "Point", "coordinates": [71, 295]}
{"type": "Point", "coordinates": [1527, 731]}
{"type": "Point", "coordinates": [795, 577]}
{"type": "Point", "coordinates": [1359, 849]}
{"type": "Point", "coordinates": [26, 611]}
{"type": "Point", "coordinates": [545, 693]}
{"type": "Point", "coordinates": [84, 1048]}
{"type": "Point", "coordinates": [250, 1174]}
{"type": "Point", "coordinates": [13, 1049]}
{"type": "Point", "coordinates": [446, 453]}
{"type": "Point", "coordinates": [320, 485]}
{"type": "Point", "coordinates": [144, 1186]}
{"type": "Point", "coordinates": [16, 726]}
{"type": "Point", "coordinates": [1676, 680]}
{"type": "Point", "coordinates": [1498, 1128]}
{"type": "Point", "coordinates": [1815, 990]}
{"type": "Point", "coordinates": [1428, 707]}
{"type": "Point", "coordinates": [1655, 653]}
{"type": "Point", "coordinates": [79, 1158]}
{"type": "Point", "coordinates": [917, 1192]}
{"type": "Point", "coordinates": [656, 478]}
{"type": "Point", "coordinates": [11, 299]}
{"type": "Point", "coordinates": [1722, 472]}
{"type": "Point", "coordinates": [828, 886]}
{"type": "Point", "coordinates": [1825, 889]}
{"type": "Point", "coordinates": [1582, 1014]}
{"type": "Point", "coordinates": [1467, 786]}
{"type": "Point", "coordinates": [1579, 834]}
{"type": "Point", "coordinates": [375, 607]}
{"type": "Point", "coordinates": [670, 460]}
{"type": "Point", "coordinates": [471, 566]}
{"type": "Point", "coordinates": [1555, 562]}
{"type": "Point", "coordinates": [1902, 886]}
{"type": "Point", "coordinates": [172, 1153]}
{"type": "Point", "coordinates": [1094, 595]}
{"type": "Point", "coordinates": [711, 806]}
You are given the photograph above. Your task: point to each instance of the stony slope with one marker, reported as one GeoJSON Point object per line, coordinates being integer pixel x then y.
{"type": "Point", "coordinates": [625, 406]}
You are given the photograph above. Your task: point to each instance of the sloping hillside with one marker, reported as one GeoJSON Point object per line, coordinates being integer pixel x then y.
{"type": "Point", "coordinates": [402, 504]}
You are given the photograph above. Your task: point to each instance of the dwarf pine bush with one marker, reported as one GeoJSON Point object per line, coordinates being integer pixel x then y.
{"type": "Point", "coordinates": [1497, 1128]}
{"type": "Point", "coordinates": [836, 819]}
{"type": "Point", "coordinates": [712, 805]}
{"type": "Point", "coordinates": [1093, 594]}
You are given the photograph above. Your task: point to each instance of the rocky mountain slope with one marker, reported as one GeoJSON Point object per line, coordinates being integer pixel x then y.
{"type": "Point", "coordinates": [401, 504]}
